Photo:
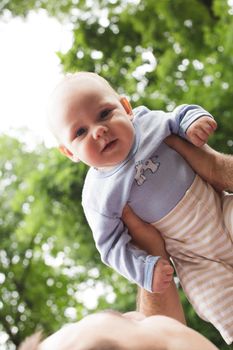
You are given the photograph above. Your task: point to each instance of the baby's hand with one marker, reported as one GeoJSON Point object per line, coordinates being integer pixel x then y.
{"type": "Point", "coordinates": [163, 275]}
{"type": "Point", "coordinates": [200, 130]}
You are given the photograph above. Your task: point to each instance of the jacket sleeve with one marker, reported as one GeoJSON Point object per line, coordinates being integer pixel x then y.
{"type": "Point", "coordinates": [184, 115]}
{"type": "Point", "coordinates": [113, 243]}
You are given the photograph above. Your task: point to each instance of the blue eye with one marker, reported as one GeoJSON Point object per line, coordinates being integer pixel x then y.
{"type": "Point", "coordinates": [104, 113]}
{"type": "Point", "coordinates": [80, 132]}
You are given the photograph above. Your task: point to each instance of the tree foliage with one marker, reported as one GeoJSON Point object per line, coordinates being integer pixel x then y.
{"type": "Point", "coordinates": [49, 266]}
{"type": "Point", "coordinates": [159, 53]}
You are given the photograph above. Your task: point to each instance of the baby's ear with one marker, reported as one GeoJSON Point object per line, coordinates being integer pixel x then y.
{"type": "Point", "coordinates": [65, 151]}
{"type": "Point", "coordinates": [127, 106]}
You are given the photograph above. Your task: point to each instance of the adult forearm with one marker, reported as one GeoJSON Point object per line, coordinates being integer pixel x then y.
{"type": "Point", "coordinates": [166, 303]}
{"type": "Point", "coordinates": [148, 238]}
{"type": "Point", "coordinates": [214, 167]}
{"type": "Point", "coordinates": [223, 171]}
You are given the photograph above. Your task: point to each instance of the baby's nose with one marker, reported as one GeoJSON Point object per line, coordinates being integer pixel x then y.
{"type": "Point", "coordinates": [99, 131]}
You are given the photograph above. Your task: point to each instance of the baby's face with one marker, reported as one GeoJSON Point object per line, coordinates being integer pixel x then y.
{"type": "Point", "coordinates": [91, 121]}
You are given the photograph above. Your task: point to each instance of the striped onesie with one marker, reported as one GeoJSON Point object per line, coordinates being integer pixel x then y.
{"type": "Point", "coordinates": [201, 247]}
{"type": "Point", "coordinates": [162, 189]}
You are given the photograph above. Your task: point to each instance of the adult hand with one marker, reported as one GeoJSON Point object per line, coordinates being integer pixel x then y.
{"type": "Point", "coordinates": [144, 235]}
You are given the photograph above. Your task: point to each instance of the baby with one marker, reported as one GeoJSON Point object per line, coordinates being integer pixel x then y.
{"type": "Point", "coordinates": [130, 163]}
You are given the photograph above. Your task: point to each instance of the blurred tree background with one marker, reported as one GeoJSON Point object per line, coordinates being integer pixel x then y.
{"type": "Point", "coordinates": [158, 53]}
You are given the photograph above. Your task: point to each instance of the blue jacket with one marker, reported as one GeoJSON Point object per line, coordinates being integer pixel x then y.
{"type": "Point", "coordinates": [152, 179]}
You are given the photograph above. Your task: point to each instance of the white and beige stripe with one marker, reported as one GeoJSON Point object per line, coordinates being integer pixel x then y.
{"type": "Point", "coordinates": [227, 203]}
{"type": "Point", "coordinates": [200, 243]}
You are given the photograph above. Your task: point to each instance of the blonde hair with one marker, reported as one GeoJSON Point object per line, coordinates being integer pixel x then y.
{"type": "Point", "coordinates": [75, 77]}
{"type": "Point", "coordinates": [67, 81]}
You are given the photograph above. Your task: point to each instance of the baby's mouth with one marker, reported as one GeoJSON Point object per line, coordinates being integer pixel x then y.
{"type": "Point", "coordinates": [109, 145]}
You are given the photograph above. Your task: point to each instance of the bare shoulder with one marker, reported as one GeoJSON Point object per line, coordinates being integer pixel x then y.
{"type": "Point", "coordinates": [176, 336]}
